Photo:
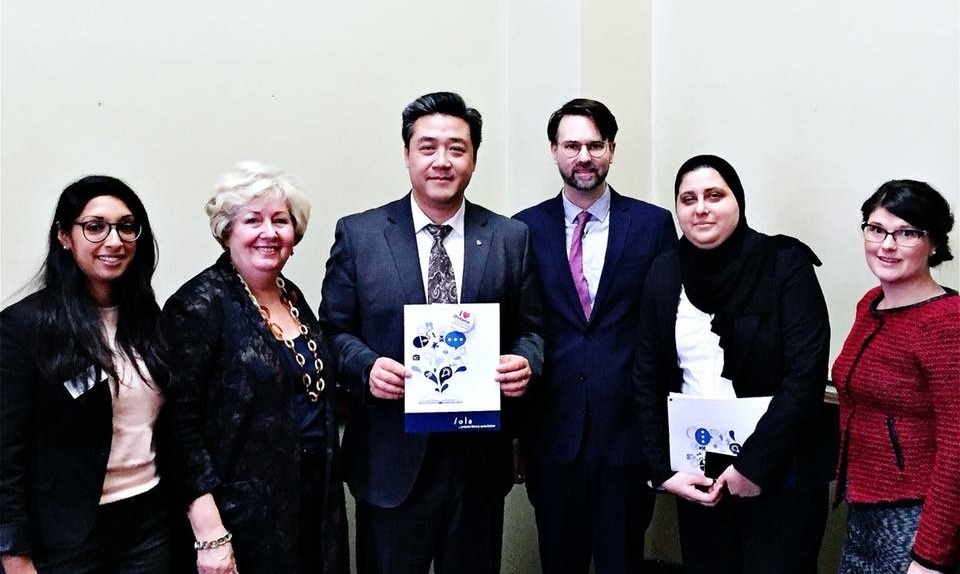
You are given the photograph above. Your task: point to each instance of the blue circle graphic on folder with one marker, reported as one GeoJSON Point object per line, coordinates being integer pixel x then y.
{"type": "Point", "coordinates": [702, 436]}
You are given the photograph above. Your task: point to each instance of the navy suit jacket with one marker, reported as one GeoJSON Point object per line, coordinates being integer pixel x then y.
{"type": "Point", "coordinates": [588, 365]}
{"type": "Point", "coordinates": [373, 271]}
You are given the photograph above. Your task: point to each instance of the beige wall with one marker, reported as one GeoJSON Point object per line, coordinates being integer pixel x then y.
{"type": "Point", "coordinates": [814, 103]}
{"type": "Point", "coordinates": [168, 95]}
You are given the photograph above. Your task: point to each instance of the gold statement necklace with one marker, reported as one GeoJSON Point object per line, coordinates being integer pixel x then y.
{"type": "Point", "coordinates": [313, 387]}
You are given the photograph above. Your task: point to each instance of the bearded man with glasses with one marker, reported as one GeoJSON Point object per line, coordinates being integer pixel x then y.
{"type": "Point", "coordinates": [592, 248]}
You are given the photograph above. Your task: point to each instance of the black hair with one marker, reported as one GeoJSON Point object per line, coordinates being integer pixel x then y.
{"type": "Point", "coordinates": [71, 336]}
{"type": "Point", "coordinates": [920, 205]}
{"type": "Point", "coordinates": [599, 113]}
{"type": "Point", "coordinates": [444, 103]}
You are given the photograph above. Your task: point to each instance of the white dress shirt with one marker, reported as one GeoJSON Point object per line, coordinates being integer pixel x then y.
{"type": "Point", "coordinates": [699, 353]}
{"type": "Point", "coordinates": [595, 235]}
{"type": "Point", "coordinates": [453, 243]}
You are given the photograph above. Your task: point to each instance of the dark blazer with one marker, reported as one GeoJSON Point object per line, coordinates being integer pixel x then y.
{"type": "Point", "coordinates": [784, 354]}
{"type": "Point", "coordinates": [372, 272]}
{"type": "Point", "coordinates": [234, 425]}
{"type": "Point", "coordinates": [53, 448]}
{"type": "Point", "coordinates": [588, 364]}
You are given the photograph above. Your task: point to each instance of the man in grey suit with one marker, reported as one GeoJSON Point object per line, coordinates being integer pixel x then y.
{"type": "Point", "coordinates": [428, 498]}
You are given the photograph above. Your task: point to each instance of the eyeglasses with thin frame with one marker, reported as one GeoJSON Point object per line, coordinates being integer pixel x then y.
{"type": "Point", "coordinates": [903, 237]}
{"type": "Point", "coordinates": [595, 148]}
{"type": "Point", "coordinates": [97, 230]}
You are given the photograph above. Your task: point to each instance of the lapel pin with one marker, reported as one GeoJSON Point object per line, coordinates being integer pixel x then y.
{"type": "Point", "coordinates": [479, 242]}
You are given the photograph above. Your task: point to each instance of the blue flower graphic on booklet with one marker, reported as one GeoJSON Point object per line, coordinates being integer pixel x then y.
{"type": "Point", "coordinates": [717, 440]}
{"type": "Point", "coordinates": [440, 356]}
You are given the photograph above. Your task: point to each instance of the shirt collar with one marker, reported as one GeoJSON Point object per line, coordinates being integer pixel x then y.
{"type": "Point", "coordinates": [599, 210]}
{"type": "Point", "coordinates": [420, 219]}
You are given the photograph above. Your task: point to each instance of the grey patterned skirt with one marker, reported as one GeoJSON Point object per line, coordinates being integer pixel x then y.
{"type": "Point", "coordinates": [879, 538]}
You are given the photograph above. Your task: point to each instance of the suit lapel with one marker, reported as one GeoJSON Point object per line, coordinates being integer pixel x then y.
{"type": "Point", "coordinates": [477, 238]}
{"type": "Point", "coordinates": [402, 241]}
{"type": "Point", "coordinates": [555, 230]}
{"type": "Point", "coordinates": [616, 238]}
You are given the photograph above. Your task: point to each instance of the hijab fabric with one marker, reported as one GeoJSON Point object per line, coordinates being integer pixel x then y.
{"type": "Point", "coordinates": [726, 277]}
{"type": "Point", "coordinates": [734, 279]}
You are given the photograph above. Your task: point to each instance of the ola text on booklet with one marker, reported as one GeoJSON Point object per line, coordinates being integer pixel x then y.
{"type": "Point", "coordinates": [453, 351]}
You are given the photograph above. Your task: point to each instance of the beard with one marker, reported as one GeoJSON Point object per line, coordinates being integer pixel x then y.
{"type": "Point", "coordinates": [583, 181]}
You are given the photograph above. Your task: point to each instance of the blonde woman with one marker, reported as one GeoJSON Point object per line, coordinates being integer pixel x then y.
{"type": "Point", "coordinates": [254, 406]}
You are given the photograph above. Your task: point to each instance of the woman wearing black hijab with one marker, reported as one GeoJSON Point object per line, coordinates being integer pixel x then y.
{"type": "Point", "coordinates": [736, 313]}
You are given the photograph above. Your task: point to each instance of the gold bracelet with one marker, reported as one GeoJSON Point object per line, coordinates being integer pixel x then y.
{"type": "Point", "coordinates": [211, 544]}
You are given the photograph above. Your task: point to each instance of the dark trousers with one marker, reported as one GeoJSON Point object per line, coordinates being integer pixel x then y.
{"type": "Point", "coordinates": [312, 467]}
{"type": "Point", "coordinates": [778, 532]}
{"type": "Point", "coordinates": [584, 509]}
{"type": "Point", "coordinates": [452, 518]}
{"type": "Point", "coordinates": [129, 536]}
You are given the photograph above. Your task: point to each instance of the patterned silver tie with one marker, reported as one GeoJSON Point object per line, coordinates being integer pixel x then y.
{"type": "Point", "coordinates": [441, 283]}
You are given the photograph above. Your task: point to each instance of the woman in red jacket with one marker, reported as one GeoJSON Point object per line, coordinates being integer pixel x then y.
{"type": "Point", "coordinates": [899, 382]}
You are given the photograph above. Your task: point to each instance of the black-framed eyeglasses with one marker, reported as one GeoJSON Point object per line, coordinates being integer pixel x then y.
{"type": "Point", "coordinates": [97, 230]}
{"type": "Point", "coordinates": [903, 237]}
{"type": "Point", "coordinates": [595, 148]}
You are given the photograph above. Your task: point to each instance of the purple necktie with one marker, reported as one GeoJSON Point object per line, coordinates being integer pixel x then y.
{"type": "Point", "coordinates": [576, 263]}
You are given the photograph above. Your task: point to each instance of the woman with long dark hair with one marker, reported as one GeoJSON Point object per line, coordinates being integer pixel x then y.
{"type": "Point", "coordinates": [81, 391]}
{"type": "Point", "coordinates": [734, 313]}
